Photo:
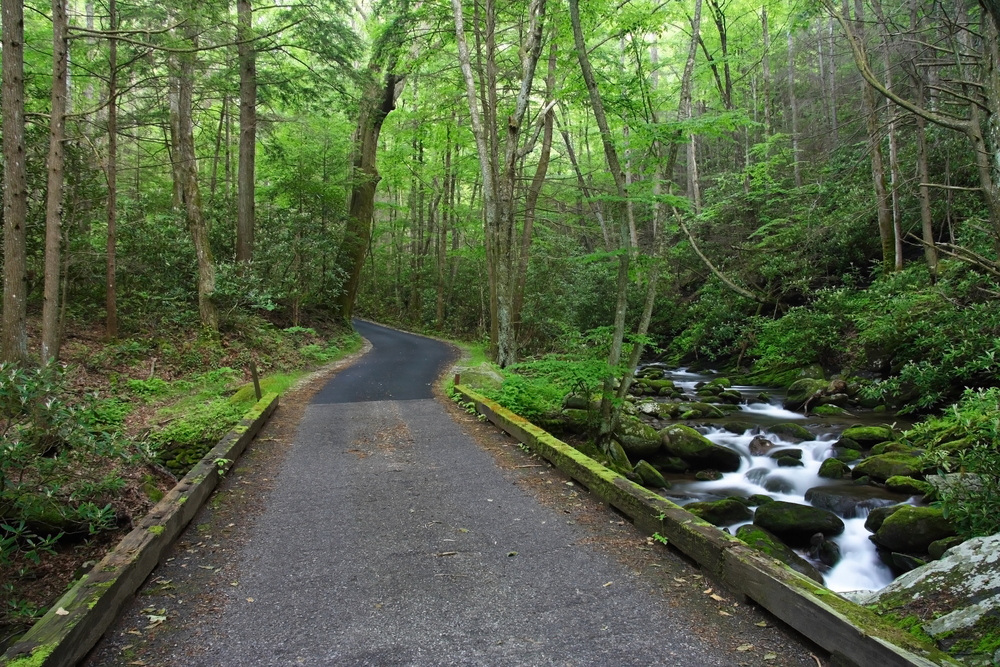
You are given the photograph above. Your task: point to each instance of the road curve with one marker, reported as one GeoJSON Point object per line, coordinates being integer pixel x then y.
{"type": "Point", "coordinates": [392, 538]}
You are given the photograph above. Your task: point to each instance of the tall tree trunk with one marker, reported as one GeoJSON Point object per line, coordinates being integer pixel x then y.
{"type": "Point", "coordinates": [894, 177]}
{"type": "Point", "coordinates": [110, 280]}
{"type": "Point", "coordinates": [248, 133]}
{"type": "Point", "coordinates": [54, 196]}
{"type": "Point", "coordinates": [793, 104]}
{"type": "Point", "coordinates": [187, 169]}
{"type": "Point", "coordinates": [694, 185]}
{"type": "Point", "coordinates": [14, 342]}
{"type": "Point", "coordinates": [766, 66]}
{"type": "Point", "coordinates": [534, 190]}
{"type": "Point", "coordinates": [608, 415]}
{"type": "Point", "coordinates": [832, 71]}
{"type": "Point", "coordinates": [213, 183]}
{"type": "Point", "coordinates": [379, 99]}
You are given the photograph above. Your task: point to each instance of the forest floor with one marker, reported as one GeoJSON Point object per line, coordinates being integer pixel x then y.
{"type": "Point", "coordinates": [98, 374]}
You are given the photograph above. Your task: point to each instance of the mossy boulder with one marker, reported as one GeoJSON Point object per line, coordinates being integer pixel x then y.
{"type": "Point", "coordinates": [849, 500]}
{"type": "Point", "coordinates": [883, 466]}
{"type": "Point", "coordinates": [868, 435]}
{"type": "Point", "coordinates": [739, 426]}
{"type": "Point", "coordinates": [764, 541]}
{"type": "Point", "coordinates": [790, 431]}
{"type": "Point", "coordinates": [483, 376]}
{"type": "Point", "coordinates": [760, 446]}
{"type": "Point", "coordinates": [723, 383]}
{"type": "Point", "coordinates": [720, 512]}
{"type": "Point", "coordinates": [787, 453]}
{"type": "Point", "coordinates": [889, 447]}
{"type": "Point", "coordinates": [828, 410]}
{"type": "Point", "coordinates": [912, 529]}
{"type": "Point", "coordinates": [616, 453]}
{"type": "Point", "coordinates": [639, 440]}
{"type": "Point", "coordinates": [803, 390]}
{"type": "Point", "coordinates": [833, 469]}
{"type": "Point", "coordinates": [812, 372]}
{"type": "Point", "coordinates": [759, 499]}
{"type": "Point", "coordinates": [666, 463]}
{"type": "Point", "coordinates": [708, 411]}
{"type": "Point", "coordinates": [795, 524]}
{"type": "Point", "coordinates": [909, 486]}
{"type": "Point", "coordinates": [846, 454]}
{"type": "Point", "coordinates": [686, 443]}
{"type": "Point", "coordinates": [789, 462]}
{"type": "Point", "coordinates": [650, 476]}
{"type": "Point", "coordinates": [878, 515]}
{"type": "Point", "coordinates": [708, 475]}
{"type": "Point", "coordinates": [937, 548]}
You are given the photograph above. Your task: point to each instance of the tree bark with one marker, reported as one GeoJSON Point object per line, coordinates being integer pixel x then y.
{"type": "Point", "coordinates": [766, 67]}
{"type": "Point", "coordinates": [110, 280]}
{"type": "Point", "coordinates": [187, 170]}
{"type": "Point", "coordinates": [694, 185]}
{"type": "Point", "coordinates": [248, 133]}
{"type": "Point", "coordinates": [14, 343]}
{"type": "Point", "coordinates": [793, 108]}
{"type": "Point", "coordinates": [894, 177]}
{"type": "Point", "coordinates": [54, 195]}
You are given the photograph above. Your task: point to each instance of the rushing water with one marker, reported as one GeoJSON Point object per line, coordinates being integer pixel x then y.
{"type": "Point", "coordinates": [860, 567]}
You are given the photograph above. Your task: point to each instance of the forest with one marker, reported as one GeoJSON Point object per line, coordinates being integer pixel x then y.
{"type": "Point", "coordinates": [772, 190]}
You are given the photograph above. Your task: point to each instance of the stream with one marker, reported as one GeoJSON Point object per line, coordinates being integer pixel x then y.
{"type": "Point", "coordinates": [860, 567]}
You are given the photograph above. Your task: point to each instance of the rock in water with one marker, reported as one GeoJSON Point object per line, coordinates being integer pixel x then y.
{"type": "Point", "coordinates": [764, 541]}
{"type": "Point", "coordinates": [686, 443]}
{"type": "Point", "coordinates": [803, 390]}
{"type": "Point", "coordinates": [884, 466]}
{"type": "Point", "coordinates": [824, 550]}
{"type": "Point", "coordinates": [720, 512]}
{"type": "Point", "coordinates": [796, 524]}
{"type": "Point", "coordinates": [833, 469]}
{"type": "Point", "coordinates": [791, 431]}
{"type": "Point", "coordinates": [639, 440]}
{"type": "Point", "coordinates": [868, 435]}
{"type": "Point", "coordinates": [760, 446]}
{"type": "Point", "coordinates": [912, 529]}
{"type": "Point", "coordinates": [651, 477]}
{"type": "Point", "coordinates": [848, 500]}
{"type": "Point", "coordinates": [957, 598]}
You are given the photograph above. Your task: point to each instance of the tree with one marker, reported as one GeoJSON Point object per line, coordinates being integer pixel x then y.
{"type": "Point", "coordinates": [248, 132]}
{"type": "Point", "coordinates": [14, 342]}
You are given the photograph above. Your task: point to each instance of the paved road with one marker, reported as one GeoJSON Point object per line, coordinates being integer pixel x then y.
{"type": "Point", "coordinates": [391, 538]}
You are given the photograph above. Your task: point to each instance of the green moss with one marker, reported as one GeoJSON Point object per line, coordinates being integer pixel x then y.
{"type": "Point", "coordinates": [912, 624]}
{"type": "Point", "coordinates": [156, 530]}
{"type": "Point", "coordinates": [37, 657]}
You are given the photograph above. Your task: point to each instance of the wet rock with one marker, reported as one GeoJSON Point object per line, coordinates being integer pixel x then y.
{"type": "Point", "coordinates": [778, 484]}
{"type": "Point", "coordinates": [616, 453]}
{"type": "Point", "coordinates": [888, 447]}
{"type": "Point", "coordinates": [720, 512]}
{"type": "Point", "coordinates": [847, 443]}
{"type": "Point", "coordinates": [833, 400]}
{"type": "Point", "coordinates": [789, 462]}
{"type": "Point", "coordinates": [667, 410]}
{"type": "Point", "coordinates": [790, 431]}
{"type": "Point", "coordinates": [650, 476]}
{"type": "Point", "coordinates": [690, 414]}
{"type": "Point", "coordinates": [795, 524]}
{"type": "Point", "coordinates": [905, 562]}
{"type": "Point", "coordinates": [833, 469]}
{"type": "Point", "coordinates": [760, 446]}
{"type": "Point", "coordinates": [880, 514]}
{"type": "Point", "coordinates": [639, 440]}
{"type": "Point", "coordinates": [686, 443]}
{"type": "Point", "coordinates": [709, 411]}
{"type": "Point", "coordinates": [762, 540]}
{"type": "Point", "coordinates": [651, 372]}
{"type": "Point", "coordinates": [759, 499]}
{"type": "Point", "coordinates": [909, 486]}
{"type": "Point", "coordinates": [763, 397]}
{"type": "Point", "coordinates": [825, 410]}
{"type": "Point", "coordinates": [846, 454]}
{"type": "Point", "coordinates": [789, 453]}
{"type": "Point", "coordinates": [743, 501]}
{"type": "Point", "coordinates": [883, 466]}
{"type": "Point", "coordinates": [665, 463]}
{"type": "Point", "coordinates": [802, 391]}
{"type": "Point", "coordinates": [912, 529]}
{"type": "Point", "coordinates": [722, 383]}
{"type": "Point", "coordinates": [937, 548]}
{"type": "Point", "coordinates": [868, 435]}
{"type": "Point", "coordinates": [864, 480]}
{"type": "Point", "coordinates": [824, 550]}
{"type": "Point", "coordinates": [739, 426]}
{"type": "Point", "coordinates": [958, 596]}
{"type": "Point", "coordinates": [850, 501]}
{"type": "Point", "coordinates": [708, 475]}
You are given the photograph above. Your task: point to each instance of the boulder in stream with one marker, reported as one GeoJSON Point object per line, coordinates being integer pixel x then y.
{"type": "Point", "coordinates": [796, 524]}
{"type": "Point", "coordinates": [650, 476]}
{"type": "Point", "coordinates": [957, 599]}
{"type": "Point", "coordinates": [833, 469]}
{"type": "Point", "coordinates": [760, 446]}
{"type": "Point", "coordinates": [802, 391]}
{"type": "Point", "coordinates": [720, 512]}
{"type": "Point", "coordinates": [911, 529]}
{"type": "Point", "coordinates": [880, 514]}
{"type": "Point", "coordinates": [883, 466]}
{"type": "Point", "coordinates": [868, 435]}
{"type": "Point", "coordinates": [686, 443]}
{"type": "Point", "coordinates": [850, 501]}
{"type": "Point", "coordinates": [790, 431]}
{"type": "Point", "coordinates": [639, 440]}
{"type": "Point", "coordinates": [762, 540]}
{"type": "Point", "coordinates": [739, 426]}
{"type": "Point", "coordinates": [909, 486]}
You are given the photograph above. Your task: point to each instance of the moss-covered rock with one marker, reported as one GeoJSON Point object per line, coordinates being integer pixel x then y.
{"type": "Point", "coordinates": [708, 475]}
{"type": "Point", "coordinates": [686, 443]}
{"type": "Point", "coordinates": [666, 463]}
{"type": "Point", "coordinates": [722, 382]}
{"type": "Point", "coordinates": [483, 376]}
{"type": "Point", "coordinates": [790, 431]}
{"type": "Point", "coordinates": [617, 455]}
{"type": "Point", "coordinates": [833, 469]}
{"type": "Point", "coordinates": [762, 540]}
{"type": "Point", "coordinates": [883, 466]}
{"type": "Point", "coordinates": [827, 410]}
{"type": "Point", "coordinates": [650, 476]}
{"type": "Point", "coordinates": [739, 426]}
{"type": "Point", "coordinates": [889, 447]}
{"type": "Point", "coordinates": [937, 548]}
{"type": "Point", "coordinates": [846, 454]}
{"type": "Point", "coordinates": [909, 486]}
{"type": "Point", "coordinates": [707, 411]}
{"type": "Point", "coordinates": [912, 529]}
{"type": "Point", "coordinates": [759, 499]}
{"type": "Point", "coordinates": [795, 524]}
{"type": "Point", "coordinates": [879, 515]}
{"type": "Point", "coordinates": [803, 390]}
{"type": "Point", "coordinates": [789, 462]}
{"type": "Point", "coordinates": [760, 446]}
{"type": "Point", "coordinates": [868, 435]}
{"type": "Point", "coordinates": [639, 440]}
{"type": "Point", "coordinates": [721, 512]}
{"type": "Point", "coordinates": [794, 453]}
{"type": "Point", "coordinates": [848, 500]}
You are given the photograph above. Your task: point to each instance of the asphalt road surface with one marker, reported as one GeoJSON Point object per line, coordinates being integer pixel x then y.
{"type": "Point", "coordinates": [391, 538]}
